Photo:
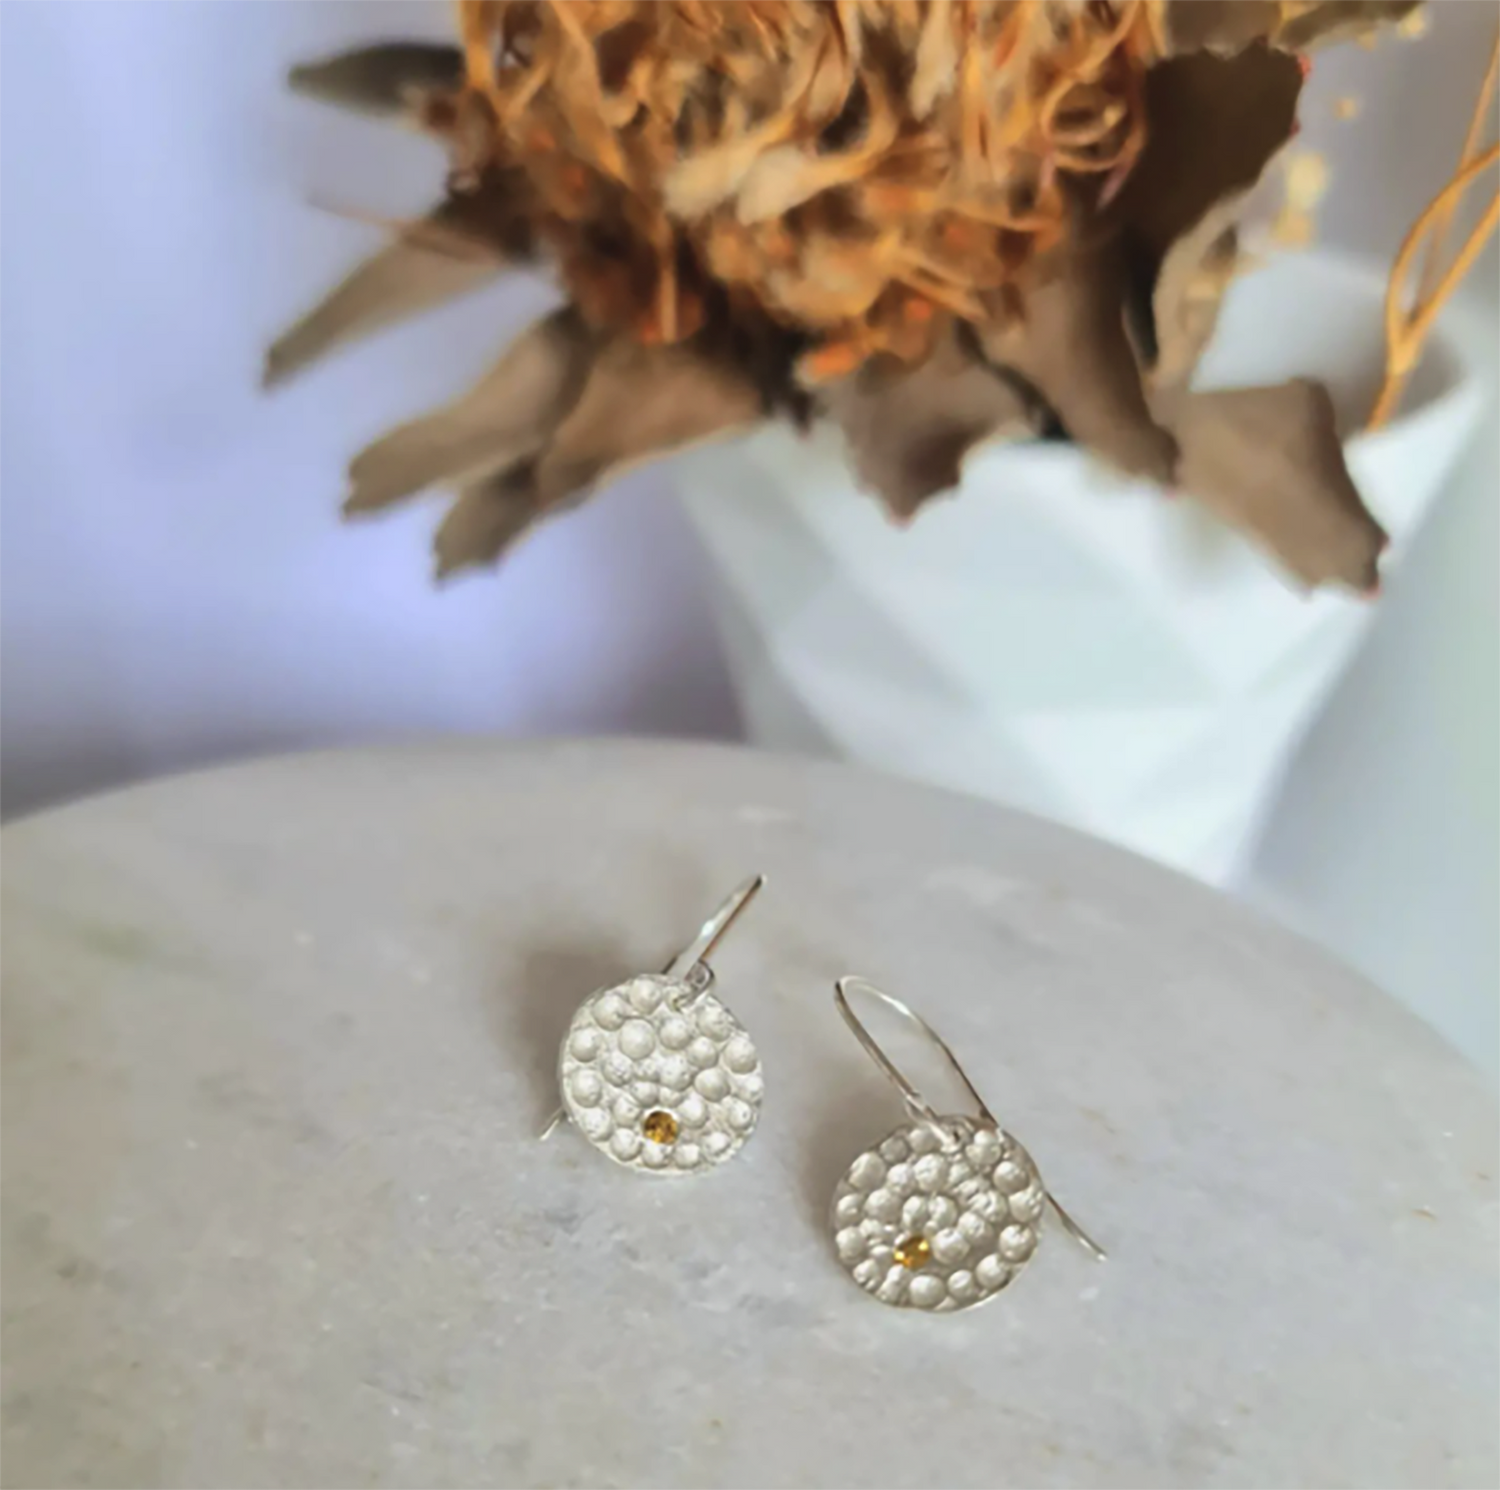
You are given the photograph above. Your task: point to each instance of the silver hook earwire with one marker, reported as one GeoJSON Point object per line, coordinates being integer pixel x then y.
{"type": "Point", "coordinates": [916, 1104]}
{"type": "Point", "coordinates": [713, 931]}
{"type": "Point", "coordinates": [1074, 1230]}
{"type": "Point", "coordinates": [691, 964]}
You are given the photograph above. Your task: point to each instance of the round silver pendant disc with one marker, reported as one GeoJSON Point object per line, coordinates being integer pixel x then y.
{"type": "Point", "coordinates": [660, 1078]}
{"type": "Point", "coordinates": [923, 1226]}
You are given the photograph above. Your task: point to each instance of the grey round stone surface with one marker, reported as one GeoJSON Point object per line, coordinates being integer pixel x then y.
{"type": "Point", "coordinates": [278, 1040]}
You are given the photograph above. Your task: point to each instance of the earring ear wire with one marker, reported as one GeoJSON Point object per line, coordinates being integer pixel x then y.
{"type": "Point", "coordinates": [916, 1104]}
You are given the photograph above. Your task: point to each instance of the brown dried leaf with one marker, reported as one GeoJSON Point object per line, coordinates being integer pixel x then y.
{"type": "Point", "coordinates": [507, 417]}
{"type": "Point", "coordinates": [639, 403]}
{"type": "Point", "coordinates": [907, 429]}
{"type": "Point", "coordinates": [636, 404]}
{"type": "Point", "coordinates": [485, 520]}
{"type": "Point", "coordinates": [1071, 345]}
{"type": "Point", "coordinates": [417, 272]}
{"type": "Point", "coordinates": [386, 80]}
{"type": "Point", "coordinates": [1268, 461]}
{"type": "Point", "coordinates": [1213, 124]}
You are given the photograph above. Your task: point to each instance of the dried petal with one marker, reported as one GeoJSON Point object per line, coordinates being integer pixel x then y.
{"type": "Point", "coordinates": [385, 80]}
{"type": "Point", "coordinates": [504, 419]}
{"type": "Point", "coordinates": [907, 429]}
{"type": "Point", "coordinates": [1268, 461]}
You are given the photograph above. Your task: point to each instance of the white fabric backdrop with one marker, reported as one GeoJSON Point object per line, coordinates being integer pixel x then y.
{"type": "Point", "coordinates": [176, 585]}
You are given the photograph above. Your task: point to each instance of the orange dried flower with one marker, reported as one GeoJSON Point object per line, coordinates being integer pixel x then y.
{"type": "Point", "coordinates": [932, 223]}
{"type": "Point", "coordinates": [763, 137]}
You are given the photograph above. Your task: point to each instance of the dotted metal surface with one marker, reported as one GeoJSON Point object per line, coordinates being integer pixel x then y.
{"type": "Point", "coordinates": [653, 1046]}
{"type": "Point", "coordinates": [976, 1203]}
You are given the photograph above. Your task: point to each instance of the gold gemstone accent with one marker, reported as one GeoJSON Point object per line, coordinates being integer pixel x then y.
{"type": "Point", "coordinates": [659, 1127]}
{"type": "Point", "coordinates": [912, 1251]}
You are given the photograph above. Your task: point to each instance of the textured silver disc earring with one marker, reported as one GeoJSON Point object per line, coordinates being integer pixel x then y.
{"type": "Point", "coordinates": [945, 1211]}
{"type": "Point", "coordinates": [656, 1072]}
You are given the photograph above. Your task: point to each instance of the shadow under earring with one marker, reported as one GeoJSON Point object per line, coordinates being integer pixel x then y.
{"type": "Point", "coordinates": [656, 1072]}
{"type": "Point", "coordinates": [945, 1211]}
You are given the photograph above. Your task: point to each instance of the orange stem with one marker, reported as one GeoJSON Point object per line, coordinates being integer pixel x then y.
{"type": "Point", "coordinates": [1406, 330]}
{"type": "Point", "coordinates": [1471, 144]}
{"type": "Point", "coordinates": [1407, 327]}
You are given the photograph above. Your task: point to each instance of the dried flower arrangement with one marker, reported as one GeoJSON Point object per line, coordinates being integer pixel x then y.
{"type": "Point", "coordinates": [933, 224]}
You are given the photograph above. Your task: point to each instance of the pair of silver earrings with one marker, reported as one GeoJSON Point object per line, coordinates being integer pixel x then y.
{"type": "Point", "coordinates": [659, 1075]}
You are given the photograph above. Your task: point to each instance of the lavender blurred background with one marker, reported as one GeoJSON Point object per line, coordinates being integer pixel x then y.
{"type": "Point", "coordinates": [177, 589]}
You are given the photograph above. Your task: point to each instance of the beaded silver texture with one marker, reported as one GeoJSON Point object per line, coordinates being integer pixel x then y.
{"type": "Point", "coordinates": [654, 1046]}
{"type": "Point", "coordinates": [944, 1212]}
{"type": "Point", "coordinates": [970, 1201]}
{"type": "Point", "coordinates": [656, 1072]}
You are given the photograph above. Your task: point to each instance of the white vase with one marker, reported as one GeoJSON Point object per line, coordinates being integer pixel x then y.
{"type": "Point", "coordinates": [1054, 637]}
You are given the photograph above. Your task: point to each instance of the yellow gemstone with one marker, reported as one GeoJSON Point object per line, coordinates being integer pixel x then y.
{"type": "Point", "coordinates": [912, 1251]}
{"type": "Point", "coordinates": [659, 1127]}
